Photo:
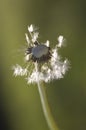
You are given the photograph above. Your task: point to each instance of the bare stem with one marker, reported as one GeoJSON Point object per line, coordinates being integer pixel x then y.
{"type": "Point", "coordinates": [45, 106]}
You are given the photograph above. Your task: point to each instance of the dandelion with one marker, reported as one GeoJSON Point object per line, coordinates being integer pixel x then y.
{"type": "Point", "coordinates": [51, 66]}
{"type": "Point", "coordinates": [44, 65]}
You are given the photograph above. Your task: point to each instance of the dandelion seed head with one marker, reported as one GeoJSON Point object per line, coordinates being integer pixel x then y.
{"type": "Point", "coordinates": [46, 62]}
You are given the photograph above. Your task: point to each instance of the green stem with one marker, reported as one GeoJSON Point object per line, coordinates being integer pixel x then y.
{"type": "Point", "coordinates": [45, 106]}
{"type": "Point", "coordinates": [50, 121]}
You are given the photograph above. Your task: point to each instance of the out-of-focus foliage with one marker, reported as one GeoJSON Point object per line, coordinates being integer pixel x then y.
{"type": "Point", "coordinates": [20, 107]}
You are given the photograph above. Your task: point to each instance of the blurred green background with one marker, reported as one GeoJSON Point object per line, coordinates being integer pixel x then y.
{"type": "Point", "coordinates": [20, 107]}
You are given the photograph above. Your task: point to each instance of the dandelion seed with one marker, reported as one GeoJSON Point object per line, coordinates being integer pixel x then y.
{"type": "Point", "coordinates": [50, 65]}
{"type": "Point", "coordinates": [30, 28]}
{"type": "Point", "coordinates": [27, 38]}
{"type": "Point", "coordinates": [19, 71]}
{"type": "Point", "coordinates": [47, 43]}
{"type": "Point", "coordinates": [61, 41]}
{"type": "Point", "coordinates": [35, 36]}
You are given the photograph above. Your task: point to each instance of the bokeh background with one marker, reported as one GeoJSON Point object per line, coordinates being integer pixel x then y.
{"type": "Point", "coordinates": [20, 107]}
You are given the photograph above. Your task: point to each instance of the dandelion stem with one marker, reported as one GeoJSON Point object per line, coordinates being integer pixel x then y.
{"type": "Point", "coordinates": [45, 106]}
{"type": "Point", "coordinates": [46, 109]}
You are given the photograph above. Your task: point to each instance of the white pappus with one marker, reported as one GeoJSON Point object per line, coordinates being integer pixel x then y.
{"type": "Point", "coordinates": [44, 62]}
